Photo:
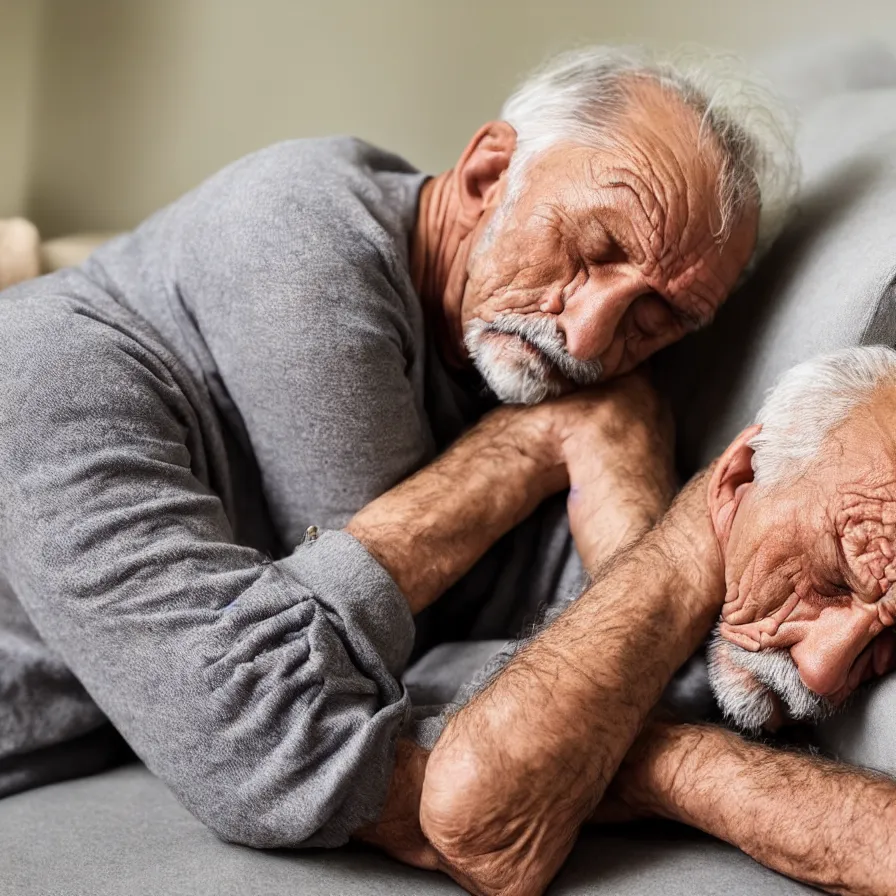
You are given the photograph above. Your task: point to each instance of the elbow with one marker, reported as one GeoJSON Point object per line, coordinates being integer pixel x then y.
{"type": "Point", "coordinates": [238, 821]}
{"type": "Point", "coordinates": [257, 820]}
{"type": "Point", "coordinates": [458, 804]}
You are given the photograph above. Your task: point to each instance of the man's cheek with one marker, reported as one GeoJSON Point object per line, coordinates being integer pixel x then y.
{"type": "Point", "coordinates": [735, 601]}
{"type": "Point", "coordinates": [615, 360]}
{"type": "Point", "coordinates": [758, 629]}
{"type": "Point", "coordinates": [512, 300]}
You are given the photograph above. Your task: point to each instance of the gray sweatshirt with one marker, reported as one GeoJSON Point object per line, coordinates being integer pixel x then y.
{"type": "Point", "coordinates": [251, 361]}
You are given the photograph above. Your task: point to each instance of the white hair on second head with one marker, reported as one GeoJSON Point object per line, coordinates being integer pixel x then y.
{"type": "Point", "coordinates": [809, 401]}
{"type": "Point", "coordinates": [580, 96]}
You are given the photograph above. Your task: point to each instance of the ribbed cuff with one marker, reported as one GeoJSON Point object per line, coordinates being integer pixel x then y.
{"type": "Point", "coordinates": [348, 582]}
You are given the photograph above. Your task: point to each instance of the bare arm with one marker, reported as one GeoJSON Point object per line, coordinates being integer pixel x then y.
{"type": "Point", "coordinates": [519, 769]}
{"type": "Point", "coordinates": [826, 824]}
{"type": "Point", "coordinates": [397, 830]}
{"type": "Point", "coordinates": [427, 532]}
{"type": "Point", "coordinates": [613, 445]}
{"type": "Point", "coordinates": [430, 529]}
{"type": "Point", "coordinates": [620, 487]}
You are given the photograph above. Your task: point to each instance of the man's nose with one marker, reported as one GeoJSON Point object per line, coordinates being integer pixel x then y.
{"type": "Point", "coordinates": [590, 319]}
{"type": "Point", "coordinates": [831, 645]}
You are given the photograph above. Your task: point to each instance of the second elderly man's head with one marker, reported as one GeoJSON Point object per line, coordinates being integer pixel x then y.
{"type": "Point", "coordinates": [804, 506]}
{"type": "Point", "coordinates": [610, 211]}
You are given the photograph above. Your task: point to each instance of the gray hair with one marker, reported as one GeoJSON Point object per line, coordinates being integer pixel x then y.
{"type": "Point", "coordinates": [809, 401]}
{"type": "Point", "coordinates": [580, 95]}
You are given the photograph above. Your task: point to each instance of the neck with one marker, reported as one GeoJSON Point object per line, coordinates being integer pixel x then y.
{"type": "Point", "coordinates": [435, 248]}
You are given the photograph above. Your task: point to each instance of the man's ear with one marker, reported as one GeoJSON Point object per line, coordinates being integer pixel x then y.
{"type": "Point", "coordinates": [731, 477]}
{"type": "Point", "coordinates": [480, 168]}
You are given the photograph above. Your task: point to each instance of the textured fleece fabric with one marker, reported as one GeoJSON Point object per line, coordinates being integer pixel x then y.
{"type": "Point", "coordinates": [174, 414]}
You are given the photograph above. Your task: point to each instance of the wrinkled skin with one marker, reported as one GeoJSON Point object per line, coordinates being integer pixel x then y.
{"type": "Point", "coordinates": [810, 564]}
{"type": "Point", "coordinates": [616, 245]}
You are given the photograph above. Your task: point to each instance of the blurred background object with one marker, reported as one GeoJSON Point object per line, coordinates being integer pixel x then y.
{"type": "Point", "coordinates": [112, 108]}
{"type": "Point", "coordinates": [19, 251]}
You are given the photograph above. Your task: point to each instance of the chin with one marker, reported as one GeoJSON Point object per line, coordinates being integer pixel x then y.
{"type": "Point", "coordinates": [756, 690]}
{"type": "Point", "coordinates": [519, 385]}
{"type": "Point", "coordinates": [745, 702]}
{"type": "Point", "coordinates": [517, 372]}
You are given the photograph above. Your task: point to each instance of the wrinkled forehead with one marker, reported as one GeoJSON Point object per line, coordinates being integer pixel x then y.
{"type": "Point", "coordinates": [656, 138]}
{"type": "Point", "coordinates": [824, 531]}
{"type": "Point", "coordinates": [654, 197]}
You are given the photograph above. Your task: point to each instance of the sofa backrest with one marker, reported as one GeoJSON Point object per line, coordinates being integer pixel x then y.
{"type": "Point", "coordinates": [829, 282]}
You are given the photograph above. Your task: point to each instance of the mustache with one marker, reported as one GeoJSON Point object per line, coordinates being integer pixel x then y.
{"type": "Point", "coordinates": [544, 335]}
{"type": "Point", "coordinates": [772, 671]}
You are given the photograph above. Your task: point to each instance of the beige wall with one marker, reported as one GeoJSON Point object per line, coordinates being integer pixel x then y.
{"type": "Point", "coordinates": [19, 30]}
{"type": "Point", "coordinates": [139, 100]}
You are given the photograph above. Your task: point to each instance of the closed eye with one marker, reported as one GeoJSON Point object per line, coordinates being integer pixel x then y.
{"type": "Point", "coordinates": [833, 591]}
{"type": "Point", "coordinates": [689, 322]}
{"type": "Point", "coordinates": [608, 252]}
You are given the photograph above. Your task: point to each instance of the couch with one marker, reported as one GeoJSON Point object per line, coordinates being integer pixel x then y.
{"type": "Point", "coordinates": [829, 282]}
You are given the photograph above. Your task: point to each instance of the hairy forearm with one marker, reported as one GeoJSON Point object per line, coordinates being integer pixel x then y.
{"type": "Point", "coordinates": [533, 753]}
{"type": "Point", "coordinates": [608, 525]}
{"type": "Point", "coordinates": [619, 489]}
{"type": "Point", "coordinates": [827, 824]}
{"type": "Point", "coordinates": [430, 529]}
{"type": "Point", "coordinates": [592, 677]}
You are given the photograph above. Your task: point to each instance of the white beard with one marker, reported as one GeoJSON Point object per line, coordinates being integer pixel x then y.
{"type": "Point", "coordinates": [525, 378]}
{"type": "Point", "coordinates": [743, 683]}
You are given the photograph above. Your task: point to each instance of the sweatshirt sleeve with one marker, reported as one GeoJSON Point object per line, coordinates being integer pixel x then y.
{"type": "Point", "coordinates": [265, 694]}
{"type": "Point", "coordinates": [303, 298]}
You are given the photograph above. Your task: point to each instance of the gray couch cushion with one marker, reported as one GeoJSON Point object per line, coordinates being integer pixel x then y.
{"type": "Point", "coordinates": [123, 834]}
{"type": "Point", "coordinates": [865, 733]}
{"type": "Point", "coordinates": [810, 71]}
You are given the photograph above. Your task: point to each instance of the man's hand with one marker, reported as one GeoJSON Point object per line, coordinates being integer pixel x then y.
{"type": "Point", "coordinates": [826, 824]}
{"type": "Point", "coordinates": [646, 774]}
{"type": "Point", "coordinates": [397, 831]}
{"type": "Point", "coordinates": [519, 769]}
{"type": "Point", "coordinates": [617, 446]}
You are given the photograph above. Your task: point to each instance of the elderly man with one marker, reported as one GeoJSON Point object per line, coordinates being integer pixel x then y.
{"type": "Point", "coordinates": [795, 524]}
{"type": "Point", "coordinates": [804, 505]}
{"type": "Point", "coordinates": [209, 536]}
